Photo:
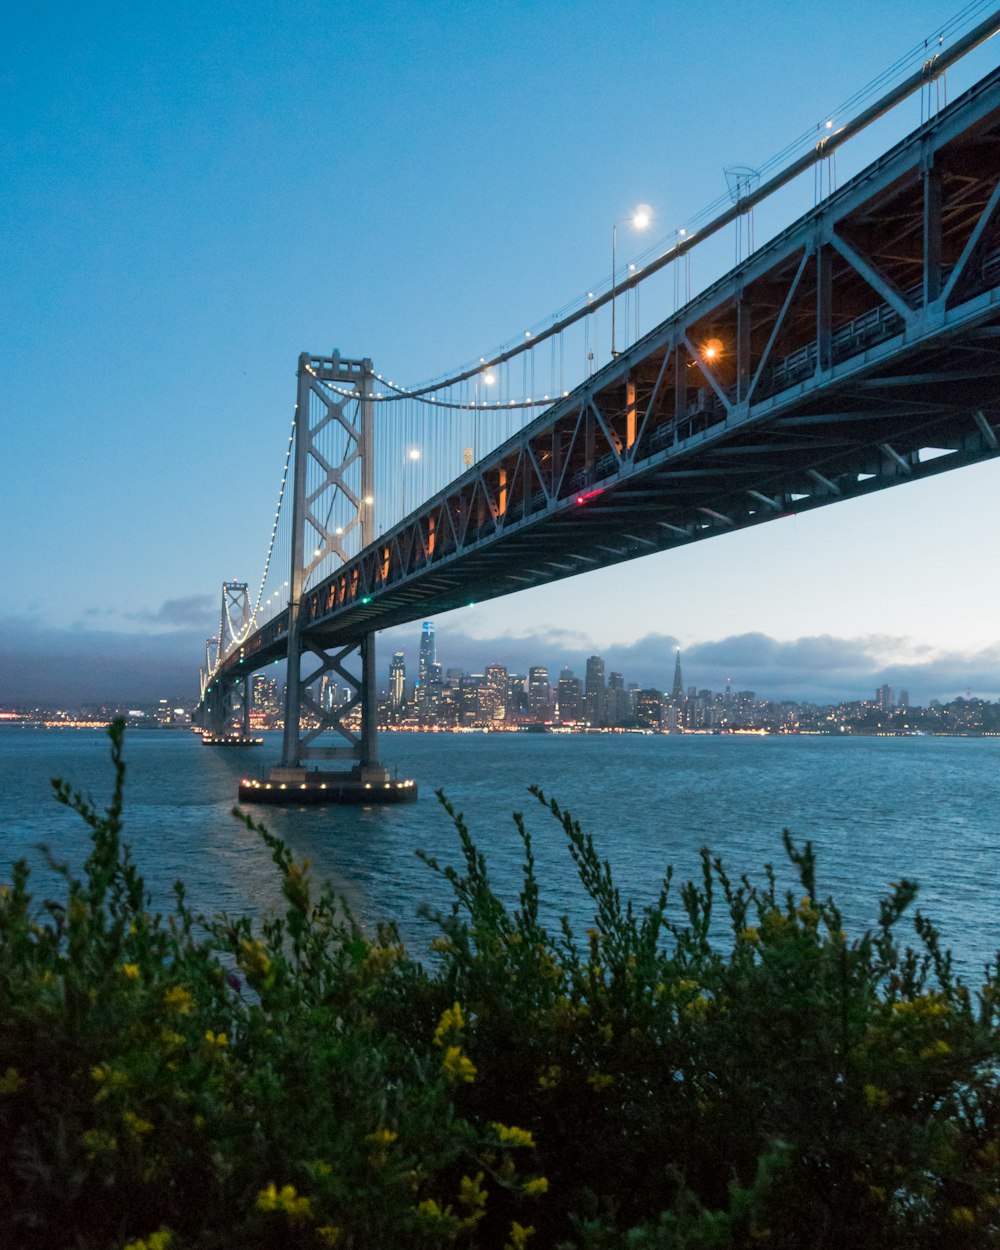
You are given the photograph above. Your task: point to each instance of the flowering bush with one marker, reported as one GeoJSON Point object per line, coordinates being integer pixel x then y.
{"type": "Point", "coordinates": [189, 1083]}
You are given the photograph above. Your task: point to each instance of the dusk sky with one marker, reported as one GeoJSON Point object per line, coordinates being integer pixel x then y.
{"type": "Point", "coordinates": [194, 194]}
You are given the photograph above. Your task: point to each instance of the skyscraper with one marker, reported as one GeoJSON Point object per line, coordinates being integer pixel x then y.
{"type": "Point", "coordinates": [617, 701]}
{"type": "Point", "coordinates": [428, 654]}
{"type": "Point", "coordinates": [397, 687]}
{"type": "Point", "coordinates": [594, 691]}
{"type": "Point", "coordinates": [569, 697]}
{"type": "Point", "coordinates": [493, 694]}
{"type": "Point", "coordinates": [538, 692]}
{"type": "Point", "coordinates": [677, 694]}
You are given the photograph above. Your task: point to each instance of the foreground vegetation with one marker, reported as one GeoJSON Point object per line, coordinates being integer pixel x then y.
{"type": "Point", "coordinates": [203, 1083]}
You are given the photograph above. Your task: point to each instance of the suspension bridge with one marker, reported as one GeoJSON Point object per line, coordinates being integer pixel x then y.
{"type": "Point", "coordinates": [857, 350]}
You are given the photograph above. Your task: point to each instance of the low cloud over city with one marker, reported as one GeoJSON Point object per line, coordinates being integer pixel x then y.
{"type": "Point", "coordinates": [83, 663]}
{"type": "Point", "coordinates": [822, 668]}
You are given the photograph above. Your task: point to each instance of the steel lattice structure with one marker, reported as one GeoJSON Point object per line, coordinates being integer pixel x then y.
{"type": "Point", "coordinates": [858, 350]}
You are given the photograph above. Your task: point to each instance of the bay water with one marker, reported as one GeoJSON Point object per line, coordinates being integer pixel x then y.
{"type": "Point", "coordinates": [876, 809]}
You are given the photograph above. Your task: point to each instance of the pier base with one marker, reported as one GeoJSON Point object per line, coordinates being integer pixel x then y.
{"type": "Point", "coordinates": [297, 787]}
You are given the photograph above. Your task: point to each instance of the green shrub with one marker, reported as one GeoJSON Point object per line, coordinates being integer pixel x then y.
{"type": "Point", "coordinates": [206, 1083]}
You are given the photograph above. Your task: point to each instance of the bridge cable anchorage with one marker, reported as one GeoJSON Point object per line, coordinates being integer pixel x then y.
{"type": "Point", "coordinates": [685, 240]}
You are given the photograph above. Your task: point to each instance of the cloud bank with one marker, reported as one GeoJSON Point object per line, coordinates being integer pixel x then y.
{"type": "Point", "coordinates": [82, 664]}
{"type": "Point", "coordinates": [822, 668]}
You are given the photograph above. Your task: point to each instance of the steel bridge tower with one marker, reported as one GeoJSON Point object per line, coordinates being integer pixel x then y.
{"type": "Point", "coordinates": [226, 702]}
{"type": "Point", "coordinates": [334, 413]}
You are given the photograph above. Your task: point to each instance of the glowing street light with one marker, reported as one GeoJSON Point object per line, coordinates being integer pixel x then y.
{"type": "Point", "coordinates": [641, 219]}
{"type": "Point", "coordinates": [712, 350]}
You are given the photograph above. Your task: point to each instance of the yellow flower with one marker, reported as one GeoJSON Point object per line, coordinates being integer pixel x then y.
{"type": "Point", "coordinates": [876, 1097]}
{"type": "Point", "coordinates": [697, 1007]}
{"type": "Point", "coordinates": [285, 1199]}
{"type": "Point", "coordinates": [267, 1199]}
{"type": "Point", "coordinates": [381, 957]}
{"type": "Point", "coordinates": [549, 1079]}
{"type": "Point", "coordinates": [471, 1193]}
{"type": "Point", "coordinates": [750, 934]}
{"type": "Point", "coordinates": [170, 1039]}
{"type": "Point", "coordinates": [216, 1041]}
{"type": "Point", "coordinates": [431, 1209]}
{"type": "Point", "coordinates": [936, 1050]}
{"type": "Point", "coordinates": [511, 1135]}
{"type": "Point", "coordinates": [600, 1080]}
{"type": "Point", "coordinates": [452, 1021]}
{"type": "Point", "coordinates": [328, 1234]}
{"type": "Point", "coordinates": [177, 999]}
{"type": "Point", "coordinates": [519, 1236]}
{"type": "Point", "coordinates": [136, 1125]}
{"type": "Point", "coordinates": [382, 1137]}
{"type": "Point", "coordinates": [537, 1185]}
{"type": "Point", "coordinates": [929, 1005]}
{"type": "Point", "coordinates": [130, 972]}
{"type": "Point", "coordinates": [458, 1065]}
{"type": "Point", "coordinates": [10, 1082]}
{"type": "Point", "coordinates": [162, 1239]}
{"type": "Point", "coordinates": [962, 1217]}
{"type": "Point", "coordinates": [253, 959]}
{"type": "Point", "coordinates": [96, 1142]}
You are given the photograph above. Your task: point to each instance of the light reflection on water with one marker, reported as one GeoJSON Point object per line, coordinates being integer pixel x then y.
{"type": "Point", "coordinates": [876, 809]}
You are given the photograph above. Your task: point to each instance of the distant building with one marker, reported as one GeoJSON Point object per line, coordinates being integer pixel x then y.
{"type": "Point", "coordinates": [618, 711]}
{"type": "Point", "coordinates": [427, 658]}
{"type": "Point", "coordinates": [594, 691]}
{"type": "Point", "coordinates": [883, 699]}
{"type": "Point", "coordinates": [677, 693]}
{"type": "Point", "coordinates": [569, 700]}
{"type": "Point", "coordinates": [397, 687]}
{"type": "Point", "coordinates": [649, 709]}
{"type": "Point", "coordinates": [493, 695]}
{"type": "Point", "coordinates": [538, 693]}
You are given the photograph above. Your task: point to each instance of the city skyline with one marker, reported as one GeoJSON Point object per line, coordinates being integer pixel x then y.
{"type": "Point", "coordinates": [164, 221]}
{"type": "Point", "coordinates": [765, 665]}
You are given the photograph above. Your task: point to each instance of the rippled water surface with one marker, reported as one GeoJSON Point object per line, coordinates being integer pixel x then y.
{"type": "Point", "coordinates": [876, 809]}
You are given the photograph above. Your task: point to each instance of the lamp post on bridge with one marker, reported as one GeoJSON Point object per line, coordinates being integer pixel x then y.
{"type": "Point", "coordinates": [412, 457]}
{"type": "Point", "coordinates": [641, 219]}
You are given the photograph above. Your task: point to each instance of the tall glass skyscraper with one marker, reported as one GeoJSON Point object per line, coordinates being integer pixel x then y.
{"type": "Point", "coordinates": [428, 654]}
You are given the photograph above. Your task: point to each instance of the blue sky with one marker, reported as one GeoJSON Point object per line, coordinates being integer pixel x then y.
{"type": "Point", "coordinates": [196, 193]}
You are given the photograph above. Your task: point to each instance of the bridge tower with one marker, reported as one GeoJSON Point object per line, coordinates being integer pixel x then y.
{"type": "Point", "coordinates": [225, 702]}
{"type": "Point", "coordinates": [332, 517]}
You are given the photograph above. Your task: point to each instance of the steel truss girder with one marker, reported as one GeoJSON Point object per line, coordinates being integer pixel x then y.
{"type": "Point", "coordinates": [815, 391]}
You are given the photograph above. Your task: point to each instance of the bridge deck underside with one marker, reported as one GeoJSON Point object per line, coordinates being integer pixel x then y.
{"type": "Point", "coordinates": [858, 350]}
